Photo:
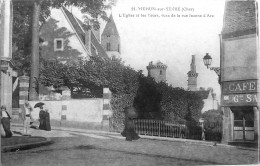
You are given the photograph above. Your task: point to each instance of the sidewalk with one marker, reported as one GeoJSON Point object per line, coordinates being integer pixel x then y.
{"type": "Point", "coordinates": [19, 142]}
{"type": "Point", "coordinates": [40, 138]}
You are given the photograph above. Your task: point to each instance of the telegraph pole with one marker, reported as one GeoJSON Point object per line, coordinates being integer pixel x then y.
{"type": "Point", "coordinates": [33, 93]}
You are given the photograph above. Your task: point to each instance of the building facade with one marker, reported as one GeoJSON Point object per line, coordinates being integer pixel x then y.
{"type": "Point", "coordinates": [157, 71]}
{"type": "Point", "coordinates": [240, 72]}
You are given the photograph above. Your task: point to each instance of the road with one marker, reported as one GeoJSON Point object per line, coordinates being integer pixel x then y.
{"type": "Point", "coordinates": [73, 148]}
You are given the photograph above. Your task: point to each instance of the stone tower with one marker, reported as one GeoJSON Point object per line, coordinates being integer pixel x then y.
{"type": "Point", "coordinates": [192, 75]}
{"type": "Point", "coordinates": [110, 39]}
{"type": "Point", "coordinates": [157, 71]}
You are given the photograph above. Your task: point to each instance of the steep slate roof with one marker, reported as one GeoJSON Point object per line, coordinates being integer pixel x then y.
{"type": "Point", "coordinates": [75, 24]}
{"type": "Point", "coordinates": [78, 26]}
{"type": "Point", "coordinates": [110, 28]}
{"type": "Point", "coordinates": [99, 48]}
{"type": "Point", "coordinates": [240, 17]}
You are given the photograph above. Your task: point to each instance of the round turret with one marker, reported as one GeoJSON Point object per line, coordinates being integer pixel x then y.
{"type": "Point", "coordinates": [157, 71]}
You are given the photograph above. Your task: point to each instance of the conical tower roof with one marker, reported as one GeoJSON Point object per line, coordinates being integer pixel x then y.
{"type": "Point", "coordinates": [110, 28]}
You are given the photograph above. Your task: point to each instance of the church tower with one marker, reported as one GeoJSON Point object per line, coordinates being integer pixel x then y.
{"type": "Point", "coordinates": [110, 39]}
{"type": "Point", "coordinates": [157, 71]}
{"type": "Point", "coordinates": [192, 75]}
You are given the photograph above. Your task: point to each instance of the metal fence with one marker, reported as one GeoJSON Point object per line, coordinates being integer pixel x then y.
{"type": "Point", "coordinates": [160, 128]}
{"type": "Point", "coordinates": [177, 129]}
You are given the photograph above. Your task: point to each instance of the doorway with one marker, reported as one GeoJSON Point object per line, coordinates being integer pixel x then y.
{"type": "Point", "coordinates": [243, 123]}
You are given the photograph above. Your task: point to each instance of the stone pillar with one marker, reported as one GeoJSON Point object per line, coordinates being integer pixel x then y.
{"type": "Point", "coordinates": [256, 122]}
{"type": "Point", "coordinates": [23, 91]}
{"type": "Point", "coordinates": [6, 53]}
{"type": "Point", "coordinates": [227, 134]}
{"type": "Point", "coordinates": [107, 112]}
{"type": "Point", "coordinates": [6, 29]}
{"type": "Point", "coordinates": [63, 111]}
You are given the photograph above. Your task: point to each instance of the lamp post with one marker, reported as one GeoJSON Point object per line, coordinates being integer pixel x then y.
{"type": "Point", "coordinates": [207, 62]}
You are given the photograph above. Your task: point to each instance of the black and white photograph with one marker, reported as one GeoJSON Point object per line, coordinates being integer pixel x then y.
{"type": "Point", "coordinates": [129, 82]}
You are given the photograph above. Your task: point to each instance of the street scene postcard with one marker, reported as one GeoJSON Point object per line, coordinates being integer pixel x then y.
{"type": "Point", "coordinates": [129, 82]}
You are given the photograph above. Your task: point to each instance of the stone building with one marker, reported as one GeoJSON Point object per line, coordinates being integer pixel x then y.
{"type": "Point", "coordinates": [240, 72]}
{"type": "Point", "coordinates": [157, 71]}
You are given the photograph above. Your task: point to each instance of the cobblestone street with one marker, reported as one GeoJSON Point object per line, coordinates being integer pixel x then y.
{"type": "Point", "coordinates": [74, 147]}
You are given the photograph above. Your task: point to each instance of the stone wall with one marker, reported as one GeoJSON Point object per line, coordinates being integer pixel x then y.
{"type": "Point", "coordinates": [82, 110]}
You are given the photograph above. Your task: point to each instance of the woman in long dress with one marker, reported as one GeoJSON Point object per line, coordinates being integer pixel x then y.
{"type": "Point", "coordinates": [42, 115]}
{"type": "Point", "coordinates": [47, 121]}
{"type": "Point", "coordinates": [5, 121]}
{"type": "Point", "coordinates": [129, 131]}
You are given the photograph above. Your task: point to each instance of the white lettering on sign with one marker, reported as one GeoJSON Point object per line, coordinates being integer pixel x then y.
{"type": "Point", "coordinates": [240, 98]}
{"type": "Point", "coordinates": [242, 86]}
{"type": "Point", "coordinates": [226, 97]}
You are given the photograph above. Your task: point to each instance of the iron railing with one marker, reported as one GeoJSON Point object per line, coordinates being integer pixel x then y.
{"type": "Point", "coordinates": [175, 129]}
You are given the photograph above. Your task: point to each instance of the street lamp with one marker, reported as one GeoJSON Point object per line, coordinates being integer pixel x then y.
{"type": "Point", "coordinates": [207, 62]}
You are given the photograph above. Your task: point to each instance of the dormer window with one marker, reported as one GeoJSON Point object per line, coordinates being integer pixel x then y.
{"type": "Point", "coordinates": [58, 44]}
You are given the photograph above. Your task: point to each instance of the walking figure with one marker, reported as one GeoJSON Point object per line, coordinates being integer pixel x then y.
{"type": "Point", "coordinates": [129, 131]}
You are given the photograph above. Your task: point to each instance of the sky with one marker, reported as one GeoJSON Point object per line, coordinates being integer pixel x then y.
{"type": "Point", "coordinates": [147, 34]}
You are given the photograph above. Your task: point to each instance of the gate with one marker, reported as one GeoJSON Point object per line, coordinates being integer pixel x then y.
{"type": "Point", "coordinates": [243, 124]}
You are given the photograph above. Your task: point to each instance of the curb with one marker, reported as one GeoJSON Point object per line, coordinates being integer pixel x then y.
{"type": "Point", "coordinates": [26, 146]}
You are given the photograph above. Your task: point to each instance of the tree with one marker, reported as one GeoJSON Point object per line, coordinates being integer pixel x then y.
{"type": "Point", "coordinates": [148, 98]}
{"type": "Point", "coordinates": [213, 116]}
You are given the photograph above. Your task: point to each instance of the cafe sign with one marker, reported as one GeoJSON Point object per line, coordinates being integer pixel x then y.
{"type": "Point", "coordinates": [239, 93]}
{"type": "Point", "coordinates": [246, 86]}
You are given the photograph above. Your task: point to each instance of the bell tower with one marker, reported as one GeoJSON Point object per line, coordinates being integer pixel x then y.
{"type": "Point", "coordinates": [110, 39]}
{"type": "Point", "coordinates": [192, 76]}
